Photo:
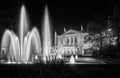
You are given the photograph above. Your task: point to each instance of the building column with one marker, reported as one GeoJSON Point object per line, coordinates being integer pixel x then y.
{"type": "Point", "coordinates": [64, 40]}
{"type": "Point", "coordinates": [73, 41]}
{"type": "Point", "coordinates": [69, 40]}
{"type": "Point", "coordinates": [82, 50]}
{"type": "Point", "coordinates": [79, 44]}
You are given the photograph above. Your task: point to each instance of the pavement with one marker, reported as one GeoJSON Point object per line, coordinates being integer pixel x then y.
{"type": "Point", "coordinates": [91, 60]}
{"type": "Point", "coordinates": [110, 60]}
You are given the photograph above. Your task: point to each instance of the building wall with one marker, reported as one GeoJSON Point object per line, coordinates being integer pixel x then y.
{"type": "Point", "coordinates": [71, 44]}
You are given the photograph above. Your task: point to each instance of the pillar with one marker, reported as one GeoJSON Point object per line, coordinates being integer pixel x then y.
{"type": "Point", "coordinates": [73, 41]}
{"type": "Point", "coordinates": [69, 40]}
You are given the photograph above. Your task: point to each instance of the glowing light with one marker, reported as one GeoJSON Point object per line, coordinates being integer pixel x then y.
{"type": "Point", "coordinates": [110, 29]}
{"type": "Point", "coordinates": [59, 56]}
{"type": "Point", "coordinates": [36, 57]}
{"type": "Point", "coordinates": [72, 60]}
{"type": "Point", "coordinates": [76, 57]}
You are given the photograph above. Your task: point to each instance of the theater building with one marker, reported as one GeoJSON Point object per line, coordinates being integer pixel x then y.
{"type": "Point", "coordinates": [72, 42]}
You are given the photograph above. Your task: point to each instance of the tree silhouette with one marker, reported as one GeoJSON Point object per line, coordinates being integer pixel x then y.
{"type": "Point", "coordinates": [116, 20]}
{"type": "Point", "coordinates": [98, 23]}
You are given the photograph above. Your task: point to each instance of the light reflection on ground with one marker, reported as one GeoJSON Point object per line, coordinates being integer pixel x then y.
{"type": "Point", "coordinates": [86, 60]}
{"type": "Point", "coordinates": [79, 60]}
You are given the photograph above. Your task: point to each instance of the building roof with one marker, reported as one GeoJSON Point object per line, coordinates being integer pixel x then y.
{"type": "Point", "coordinates": [71, 31]}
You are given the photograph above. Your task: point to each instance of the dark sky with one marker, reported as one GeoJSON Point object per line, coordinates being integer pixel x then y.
{"type": "Point", "coordinates": [63, 13]}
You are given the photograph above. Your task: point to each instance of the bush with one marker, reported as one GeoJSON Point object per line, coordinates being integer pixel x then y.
{"type": "Point", "coordinates": [108, 51]}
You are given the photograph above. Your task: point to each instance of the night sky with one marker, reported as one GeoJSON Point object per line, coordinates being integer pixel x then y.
{"type": "Point", "coordinates": [63, 13]}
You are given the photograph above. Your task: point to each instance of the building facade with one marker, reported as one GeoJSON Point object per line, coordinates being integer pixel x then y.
{"type": "Point", "coordinates": [72, 42]}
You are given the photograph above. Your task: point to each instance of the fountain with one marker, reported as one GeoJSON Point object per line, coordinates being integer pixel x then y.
{"type": "Point", "coordinates": [59, 56]}
{"type": "Point", "coordinates": [46, 36]}
{"type": "Point", "coordinates": [72, 60]}
{"type": "Point", "coordinates": [19, 49]}
{"type": "Point", "coordinates": [76, 57]}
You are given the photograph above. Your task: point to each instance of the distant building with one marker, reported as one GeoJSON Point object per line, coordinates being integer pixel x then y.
{"type": "Point", "coordinates": [71, 42]}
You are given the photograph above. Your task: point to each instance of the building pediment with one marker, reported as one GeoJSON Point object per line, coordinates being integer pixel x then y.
{"type": "Point", "coordinates": [71, 31]}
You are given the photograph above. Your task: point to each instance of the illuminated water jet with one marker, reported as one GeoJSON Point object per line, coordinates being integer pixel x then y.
{"type": "Point", "coordinates": [76, 57]}
{"type": "Point", "coordinates": [46, 36]}
{"type": "Point", "coordinates": [23, 29]}
{"type": "Point", "coordinates": [18, 49]}
{"type": "Point", "coordinates": [72, 60]}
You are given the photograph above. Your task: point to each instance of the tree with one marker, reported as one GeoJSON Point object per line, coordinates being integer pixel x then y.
{"type": "Point", "coordinates": [116, 21]}
{"type": "Point", "coordinates": [98, 22]}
